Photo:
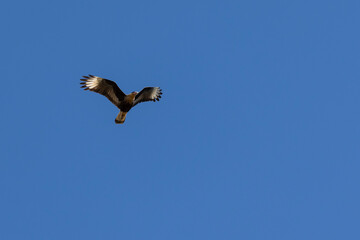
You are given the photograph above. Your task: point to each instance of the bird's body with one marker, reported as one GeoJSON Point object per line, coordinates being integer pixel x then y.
{"type": "Point", "coordinates": [128, 102]}
{"type": "Point", "coordinates": [124, 102]}
{"type": "Point", "coordinates": [125, 107]}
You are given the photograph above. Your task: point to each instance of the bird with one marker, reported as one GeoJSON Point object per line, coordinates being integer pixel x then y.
{"type": "Point", "coordinates": [124, 102]}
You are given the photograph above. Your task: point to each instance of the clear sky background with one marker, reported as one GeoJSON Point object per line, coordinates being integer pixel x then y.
{"type": "Point", "coordinates": [256, 137]}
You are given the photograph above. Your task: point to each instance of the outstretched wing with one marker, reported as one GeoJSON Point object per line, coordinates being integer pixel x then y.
{"type": "Point", "coordinates": [103, 86]}
{"type": "Point", "coordinates": [148, 94]}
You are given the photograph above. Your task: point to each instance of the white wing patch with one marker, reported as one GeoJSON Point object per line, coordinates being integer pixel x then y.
{"type": "Point", "coordinates": [93, 82]}
{"type": "Point", "coordinates": [155, 93]}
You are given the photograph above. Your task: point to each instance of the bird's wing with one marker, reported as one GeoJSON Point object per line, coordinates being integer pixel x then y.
{"type": "Point", "coordinates": [103, 86]}
{"type": "Point", "coordinates": [148, 94]}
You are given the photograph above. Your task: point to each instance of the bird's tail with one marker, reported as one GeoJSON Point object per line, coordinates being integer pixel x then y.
{"type": "Point", "coordinates": [120, 117]}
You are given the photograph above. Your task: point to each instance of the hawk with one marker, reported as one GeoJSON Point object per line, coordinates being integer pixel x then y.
{"type": "Point", "coordinates": [124, 102]}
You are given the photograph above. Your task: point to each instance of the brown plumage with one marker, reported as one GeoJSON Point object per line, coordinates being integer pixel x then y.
{"type": "Point", "coordinates": [124, 102]}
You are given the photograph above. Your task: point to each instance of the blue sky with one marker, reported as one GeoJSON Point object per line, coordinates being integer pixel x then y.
{"type": "Point", "coordinates": [256, 136]}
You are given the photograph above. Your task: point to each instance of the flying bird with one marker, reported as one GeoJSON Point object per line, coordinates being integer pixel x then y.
{"type": "Point", "coordinates": [124, 102]}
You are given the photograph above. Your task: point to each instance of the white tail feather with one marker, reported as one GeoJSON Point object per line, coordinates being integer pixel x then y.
{"type": "Point", "coordinates": [120, 117]}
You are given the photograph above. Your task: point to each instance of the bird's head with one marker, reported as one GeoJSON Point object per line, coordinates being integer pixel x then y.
{"type": "Point", "coordinates": [132, 96]}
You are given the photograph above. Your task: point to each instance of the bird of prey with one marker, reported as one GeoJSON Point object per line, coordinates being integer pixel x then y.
{"type": "Point", "coordinates": [124, 102]}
